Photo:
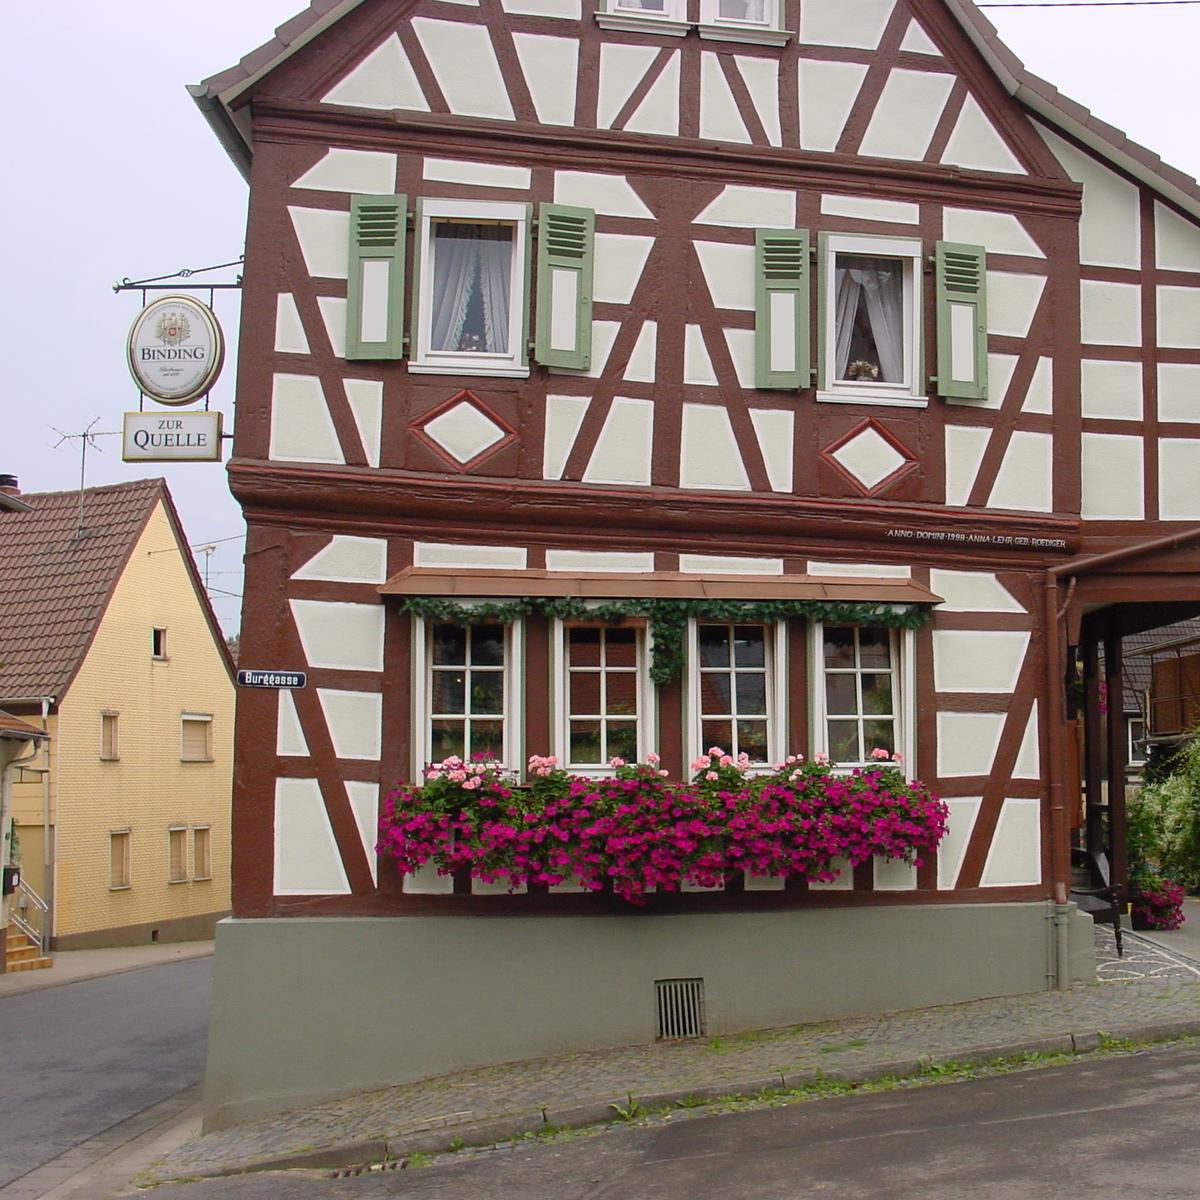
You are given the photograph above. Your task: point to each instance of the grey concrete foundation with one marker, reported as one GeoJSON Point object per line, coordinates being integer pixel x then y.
{"type": "Point", "coordinates": [306, 1009]}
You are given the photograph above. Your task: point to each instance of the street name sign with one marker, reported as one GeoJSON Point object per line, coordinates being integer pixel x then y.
{"type": "Point", "coordinates": [272, 679]}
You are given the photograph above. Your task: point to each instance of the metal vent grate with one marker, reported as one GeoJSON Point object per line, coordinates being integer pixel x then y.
{"type": "Point", "coordinates": [680, 1007]}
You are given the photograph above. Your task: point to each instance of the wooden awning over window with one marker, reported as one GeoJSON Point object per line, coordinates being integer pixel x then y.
{"type": "Point", "coordinates": [660, 585]}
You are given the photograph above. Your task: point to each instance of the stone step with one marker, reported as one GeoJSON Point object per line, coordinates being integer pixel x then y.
{"type": "Point", "coordinates": [30, 964]}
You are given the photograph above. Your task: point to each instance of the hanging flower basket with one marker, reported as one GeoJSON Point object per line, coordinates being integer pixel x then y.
{"type": "Point", "coordinates": [1155, 902]}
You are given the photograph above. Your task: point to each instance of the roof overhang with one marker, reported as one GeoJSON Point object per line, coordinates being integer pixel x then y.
{"type": "Point", "coordinates": [14, 729]}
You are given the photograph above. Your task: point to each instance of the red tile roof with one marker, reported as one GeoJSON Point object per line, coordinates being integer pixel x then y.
{"type": "Point", "coordinates": [14, 727]}
{"type": "Point", "coordinates": [55, 582]}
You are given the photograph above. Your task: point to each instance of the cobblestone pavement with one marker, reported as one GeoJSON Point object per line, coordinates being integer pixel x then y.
{"type": "Point", "coordinates": [1148, 994]}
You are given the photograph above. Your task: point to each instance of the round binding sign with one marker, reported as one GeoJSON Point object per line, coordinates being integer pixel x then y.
{"type": "Point", "coordinates": [176, 349]}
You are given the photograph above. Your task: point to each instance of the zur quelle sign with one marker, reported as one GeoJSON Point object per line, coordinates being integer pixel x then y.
{"type": "Point", "coordinates": [176, 349]}
{"type": "Point", "coordinates": [172, 437]}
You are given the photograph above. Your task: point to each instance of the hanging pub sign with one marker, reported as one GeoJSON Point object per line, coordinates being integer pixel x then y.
{"type": "Point", "coordinates": [172, 437]}
{"type": "Point", "coordinates": [176, 349]}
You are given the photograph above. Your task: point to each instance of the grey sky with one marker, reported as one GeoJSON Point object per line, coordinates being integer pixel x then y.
{"type": "Point", "coordinates": [112, 172]}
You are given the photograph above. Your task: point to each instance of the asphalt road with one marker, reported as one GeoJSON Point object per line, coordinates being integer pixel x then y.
{"type": "Point", "coordinates": [1105, 1129]}
{"type": "Point", "coordinates": [80, 1060]}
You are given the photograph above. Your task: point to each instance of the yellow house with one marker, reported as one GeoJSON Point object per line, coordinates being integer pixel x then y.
{"type": "Point", "coordinates": [107, 641]}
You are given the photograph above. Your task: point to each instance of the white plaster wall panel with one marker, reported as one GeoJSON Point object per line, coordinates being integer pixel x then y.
{"type": "Point", "coordinates": [567, 10]}
{"type": "Point", "coordinates": [619, 261]}
{"type": "Point", "coordinates": [1015, 856]}
{"type": "Point", "coordinates": [622, 68]}
{"type": "Point", "coordinates": [427, 882]}
{"type": "Point", "coordinates": [869, 457]}
{"type": "Point", "coordinates": [290, 741]}
{"type": "Point", "coordinates": [1179, 392]}
{"type": "Point", "coordinates": [761, 77]}
{"type": "Point", "coordinates": [365, 397]}
{"type": "Point", "coordinates": [1110, 230]}
{"type": "Point", "coordinates": [464, 64]}
{"type": "Point", "coordinates": [1025, 480]}
{"type": "Point", "coordinates": [1000, 373]}
{"type": "Point", "coordinates": [836, 23]}
{"type": "Point", "coordinates": [1001, 233]}
{"type": "Point", "coordinates": [1029, 757]}
{"type": "Point", "coordinates": [720, 120]}
{"type": "Point", "coordinates": [307, 859]}
{"type": "Point", "coordinates": [355, 722]}
{"type": "Point", "coordinates": [859, 570]}
{"type": "Point", "coordinates": [608, 195]}
{"type": "Point", "coordinates": [1113, 487]}
{"type": "Point", "coordinates": [599, 560]}
{"type": "Point", "coordinates": [623, 449]}
{"type": "Point", "coordinates": [741, 207]}
{"type": "Point", "coordinates": [348, 560]}
{"type": "Point", "coordinates": [464, 431]}
{"type": "Point", "coordinates": [697, 365]}
{"type": "Point", "coordinates": [1179, 479]}
{"type": "Point", "coordinates": [865, 208]}
{"type": "Point", "coordinates": [965, 446]}
{"type": "Point", "coordinates": [1111, 389]}
{"type": "Point", "coordinates": [564, 416]}
{"type": "Point", "coordinates": [774, 429]}
{"type": "Point", "coordinates": [972, 591]}
{"type": "Point", "coordinates": [333, 317]}
{"type": "Point", "coordinates": [844, 881]}
{"type": "Point", "coordinates": [894, 875]}
{"type": "Point", "coordinates": [917, 41]}
{"type": "Point", "coordinates": [715, 564]}
{"type": "Point", "coordinates": [364, 803]}
{"type": "Point", "coordinates": [762, 883]}
{"type": "Point", "coordinates": [301, 428]}
{"type": "Point", "coordinates": [1111, 314]}
{"type": "Point", "coordinates": [828, 91]}
{"type": "Point", "coordinates": [339, 635]}
{"type": "Point", "coordinates": [640, 368]}
{"type": "Point", "coordinates": [604, 335]}
{"type": "Point", "coordinates": [1176, 241]}
{"type": "Point", "coordinates": [709, 455]}
{"type": "Point", "coordinates": [907, 115]}
{"type": "Point", "coordinates": [658, 112]}
{"type": "Point", "coordinates": [477, 174]}
{"type": "Point", "coordinates": [964, 812]}
{"type": "Point", "coordinates": [741, 350]}
{"type": "Point", "coordinates": [1012, 302]}
{"type": "Point", "coordinates": [324, 238]}
{"type": "Point", "coordinates": [1040, 397]}
{"type": "Point", "coordinates": [729, 272]}
{"type": "Point", "coordinates": [384, 79]}
{"type": "Point", "coordinates": [289, 329]}
{"type": "Point", "coordinates": [551, 69]}
{"type": "Point", "coordinates": [500, 888]}
{"type": "Point", "coordinates": [977, 145]}
{"type": "Point", "coordinates": [1179, 317]}
{"type": "Point", "coordinates": [975, 660]}
{"type": "Point", "coordinates": [448, 554]}
{"type": "Point", "coordinates": [360, 172]}
{"type": "Point", "coordinates": [967, 743]}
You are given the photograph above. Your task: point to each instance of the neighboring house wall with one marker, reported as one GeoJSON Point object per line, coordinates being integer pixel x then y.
{"type": "Point", "coordinates": [29, 807]}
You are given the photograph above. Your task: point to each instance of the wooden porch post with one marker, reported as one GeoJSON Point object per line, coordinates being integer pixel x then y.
{"type": "Point", "coordinates": [1118, 755]}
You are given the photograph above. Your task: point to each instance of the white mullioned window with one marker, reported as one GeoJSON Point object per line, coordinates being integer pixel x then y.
{"type": "Point", "coordinates": [864, 692]}
{"type": "Point", "coordinates": [763, 14]}
{"type": "Point", "coordinates": [871, 339]}
{"type": "Point", "coordinates": [473, 276]}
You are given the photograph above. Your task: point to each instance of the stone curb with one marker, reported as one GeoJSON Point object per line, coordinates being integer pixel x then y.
{"type": "Point", "coordinates": [488, 1132]}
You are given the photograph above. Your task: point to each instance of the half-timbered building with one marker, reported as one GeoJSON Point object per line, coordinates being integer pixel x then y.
{"type": "Point", "coordinates": [826, 307]}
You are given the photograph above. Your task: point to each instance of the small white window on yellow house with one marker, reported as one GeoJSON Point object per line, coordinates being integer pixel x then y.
{"type": "Point", "coordinates": [118, 857]}
{"type": "Point", "coordinates": [177, 863]}
{"type": "Point", "coordinates": [201, 852]}
{"type": "Point", "coordinates": [196, 737]}
{"type": "Point", "coordinates": [158, 643]}
{"type": "Point", "coordinates": [110, 744]}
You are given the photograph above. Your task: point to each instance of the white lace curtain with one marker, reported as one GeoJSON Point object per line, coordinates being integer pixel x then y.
{"type": "Point", "coordinates": [876, 285]}
{"type": "Point", "coordinates": [472, 284]}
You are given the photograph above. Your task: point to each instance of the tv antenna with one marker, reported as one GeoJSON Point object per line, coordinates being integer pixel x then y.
{"type": "Point", "coordinates": [87, 438]}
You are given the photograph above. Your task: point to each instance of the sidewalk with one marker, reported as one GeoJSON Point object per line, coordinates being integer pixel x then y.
{"type": "Point", "coordinates": [493, 1104]}
{"type": "Point", "coordinates": [71, 966]}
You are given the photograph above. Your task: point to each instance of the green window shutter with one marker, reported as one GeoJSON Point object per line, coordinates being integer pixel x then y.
{"type": "Point", "coordinates": [782, 350]}
{"type": "Point", "coordinates": [566, 245]}
{"type": "Point", "coordinates": [375, 292]}
{"type": "Point", "coordinates": [961, 276]}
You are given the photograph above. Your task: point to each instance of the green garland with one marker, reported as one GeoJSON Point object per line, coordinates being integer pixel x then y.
{"type": "Point", "coordinates": [667, 618]}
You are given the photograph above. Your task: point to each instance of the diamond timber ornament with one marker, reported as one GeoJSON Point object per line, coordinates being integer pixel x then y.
{"type": "Point", "coordinates": [870, 457]}
{"type": "Point", "coordinates": [464, 430]}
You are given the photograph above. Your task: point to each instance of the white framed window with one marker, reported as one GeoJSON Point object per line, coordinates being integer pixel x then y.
{"type": "Point", "coordinates": [110, 736]}
{"type": "Point", "coordinates": [756, 21]}
{"type": "Point", "coordinates": [472, 280]}
{"type": "Point", "coordinates": [604, 700]}
{"type": "Point", "coordinates": [1135, 728]}
{"type": "Point", "coordinates": [466, 691]}
{"type": "Point", "coordinates": [158, 643]}
{"type": "Point", "coordinates": [864, 693]}
{"type": "Point", "coordinates": [119, 876]}
{"type": "Point", "coordinates": [195, 737]}
{"type": "Point", "coordinates": [177, 858]}
{"type": "Point", "coordinates": [661, 16]}
{"type": "Point", "coordinates": [201, 852]}
{"type": "Point", "coordinates": [871, 339]}
{"type": "Point", "coordinates": [738, 689]}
